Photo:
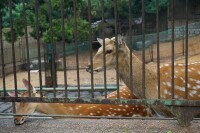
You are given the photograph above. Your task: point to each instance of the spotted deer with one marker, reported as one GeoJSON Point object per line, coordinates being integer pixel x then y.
{"type": "Point", "coordinates": [151, 87]}
{"type": "Point", "coordinates": [80, 109]}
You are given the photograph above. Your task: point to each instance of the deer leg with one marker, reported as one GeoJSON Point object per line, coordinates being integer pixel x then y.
{"type": "Point", "coordinates": [185, 114]}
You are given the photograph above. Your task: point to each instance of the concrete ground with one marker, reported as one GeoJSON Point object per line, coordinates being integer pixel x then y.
{"type": "Point", "coordinates": [97, 126]}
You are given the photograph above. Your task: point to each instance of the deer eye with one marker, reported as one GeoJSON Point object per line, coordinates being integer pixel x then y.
{"type": "Point", "coordinates": [108, 51]}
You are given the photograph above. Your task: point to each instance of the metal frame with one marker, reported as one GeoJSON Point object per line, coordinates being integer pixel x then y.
{"type": "Point", "coordinates": [175, 105]}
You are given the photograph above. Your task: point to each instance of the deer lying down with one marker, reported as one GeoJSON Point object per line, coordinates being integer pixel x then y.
{"type": "Point", "coordinates": [151, 88]}
{"type": "Point", "coordinates": [80, 109]}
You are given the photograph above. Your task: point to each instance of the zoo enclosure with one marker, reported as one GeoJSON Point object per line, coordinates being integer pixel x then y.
{"type": "Point", "coordinates": [50, 57]}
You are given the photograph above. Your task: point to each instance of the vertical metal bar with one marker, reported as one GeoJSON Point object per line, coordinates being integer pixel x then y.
{"type": "Point", "coordinates": [186, 53]}
{"type": "Point", "coordinates": [64, 47]}
{"type": "Point", "coordinates": [13, 53]}
{"type": "Point", "coordinates": [116, 40]}
{"type": "Point", "coordinates": [172, 6]}
{"type": "Point", "coordinates": [2, 56]}
{"type": "Point", "coordinates": [53, 48]}
{"type": "Point", "coordinates": [90, 43]}
{"type": "Point", "coordinates": [143, 47]}
{"type": "Point", "coordinates": [158, 46]}
{"type": "Point", "coordinates": [130, 44]}
{"type": "Point", "coordinates": [27, 45]}
{"type": "Point", "coordinates": [183, 50]}
{"type": "Point", "coordinates": [76, 45]}
{"type": "Point", "coordinates": [104, 55]}
{"type": "Point", "coordinates": [13, 46]}
{"type": "Point", "coordinates": [38, 45]}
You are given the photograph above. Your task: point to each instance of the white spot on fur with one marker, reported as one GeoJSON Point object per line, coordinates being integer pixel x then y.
{"type": "Point", "coordinates": [165, 91]}
{"type": "Point", "coordinates": [182, 79]}
{"type": "Point", "coordinates": [179, 88]}
{"type": "Point", "coordinates": [168, 84]}
{"type": "Point", "coordinates": [197, 81]}
{"type": "Point", "coordinates": [193, 92]}
{"type": "Point", "coordinates": [176, 96]}
{"type": "Point", "coordinates": [180, 64]}
{"type": "Point", "coordinates": [198, 72]}
{"type": "Point", "coordinates": [192, 68]}
{"type": "Point", "coordinates": [196, 87]}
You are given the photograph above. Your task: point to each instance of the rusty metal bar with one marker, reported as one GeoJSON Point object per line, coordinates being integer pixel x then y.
{"type": "Point", "coordinates": [91, 52]}
{"type": "Point", "coordinates": [104, 51]}
{"type": "Point", "coordinates": [186, 52]}
{"type": "Point", "coordinates": [143, 47]}
{"type": "Point", "coordinates": [64, 46]}
{"type": "Point", "coordinates": [27, 46]}
{"type": "Point", "coordinates": [172, 22]}
{"type": "Point", "coordinates": [2, 56]}
{"type": "Point", "coordinates": [38, 45]}
{"type": "Point", "coordinates": [76, 45]}
{"type": "Point", "coordinates": [172, 102]}
{"type": "Point", "coordinates": [13, 46]}
{"type": "Point", "coordinates": [158, 46]}
{"type": "Point", "coordinates": [130, 45]}
{"type": "Point", "coordinates": [53, 48]}
{"type": "Point", "coordinates": [117, 47]}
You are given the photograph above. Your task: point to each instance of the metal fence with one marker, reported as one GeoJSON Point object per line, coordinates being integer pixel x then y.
{"type": "Point", "coordinates": [183, 109]}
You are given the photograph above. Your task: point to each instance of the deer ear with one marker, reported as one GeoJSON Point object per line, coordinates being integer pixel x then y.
{"type": "Point", "coordinates": [26, 84]}
{"type": "Point", "coordinates": [12, 94]}
{"type": "Point", "coordinates": [100, 41]}
{"type": "Point", "coordinates": [119, 39]}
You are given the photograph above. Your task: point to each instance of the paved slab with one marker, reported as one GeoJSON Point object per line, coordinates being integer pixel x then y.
{"type": "Point", "coordinates": [97, 126]}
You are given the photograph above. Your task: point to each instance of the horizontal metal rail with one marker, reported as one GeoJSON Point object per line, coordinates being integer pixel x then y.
{"type": "Point", "coordinates": [70, 88]}
{"type": "Point", "coordinates": [102, 101]}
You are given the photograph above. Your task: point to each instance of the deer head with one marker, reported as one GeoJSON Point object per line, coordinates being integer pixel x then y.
{"type": "Point", "coordinates": [110, 54]}
{"type": "Point", "coordinates": [22, 107]}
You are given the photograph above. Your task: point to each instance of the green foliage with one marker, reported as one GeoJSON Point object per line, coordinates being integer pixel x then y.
{"type": "Point", "coordinates": [82, 30]}
{"type": "Point", "coordinates": [122, 8]}
{"type": "Point", "coordinates": [16, 18]}
{"type": "Point", "coordinates": [82, 13]}
{"type": "Point", "coordinates": [151, 5]}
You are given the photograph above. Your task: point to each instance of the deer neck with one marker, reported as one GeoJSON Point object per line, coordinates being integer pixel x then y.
{"type": "Point", "coordinates": [150, 76]}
